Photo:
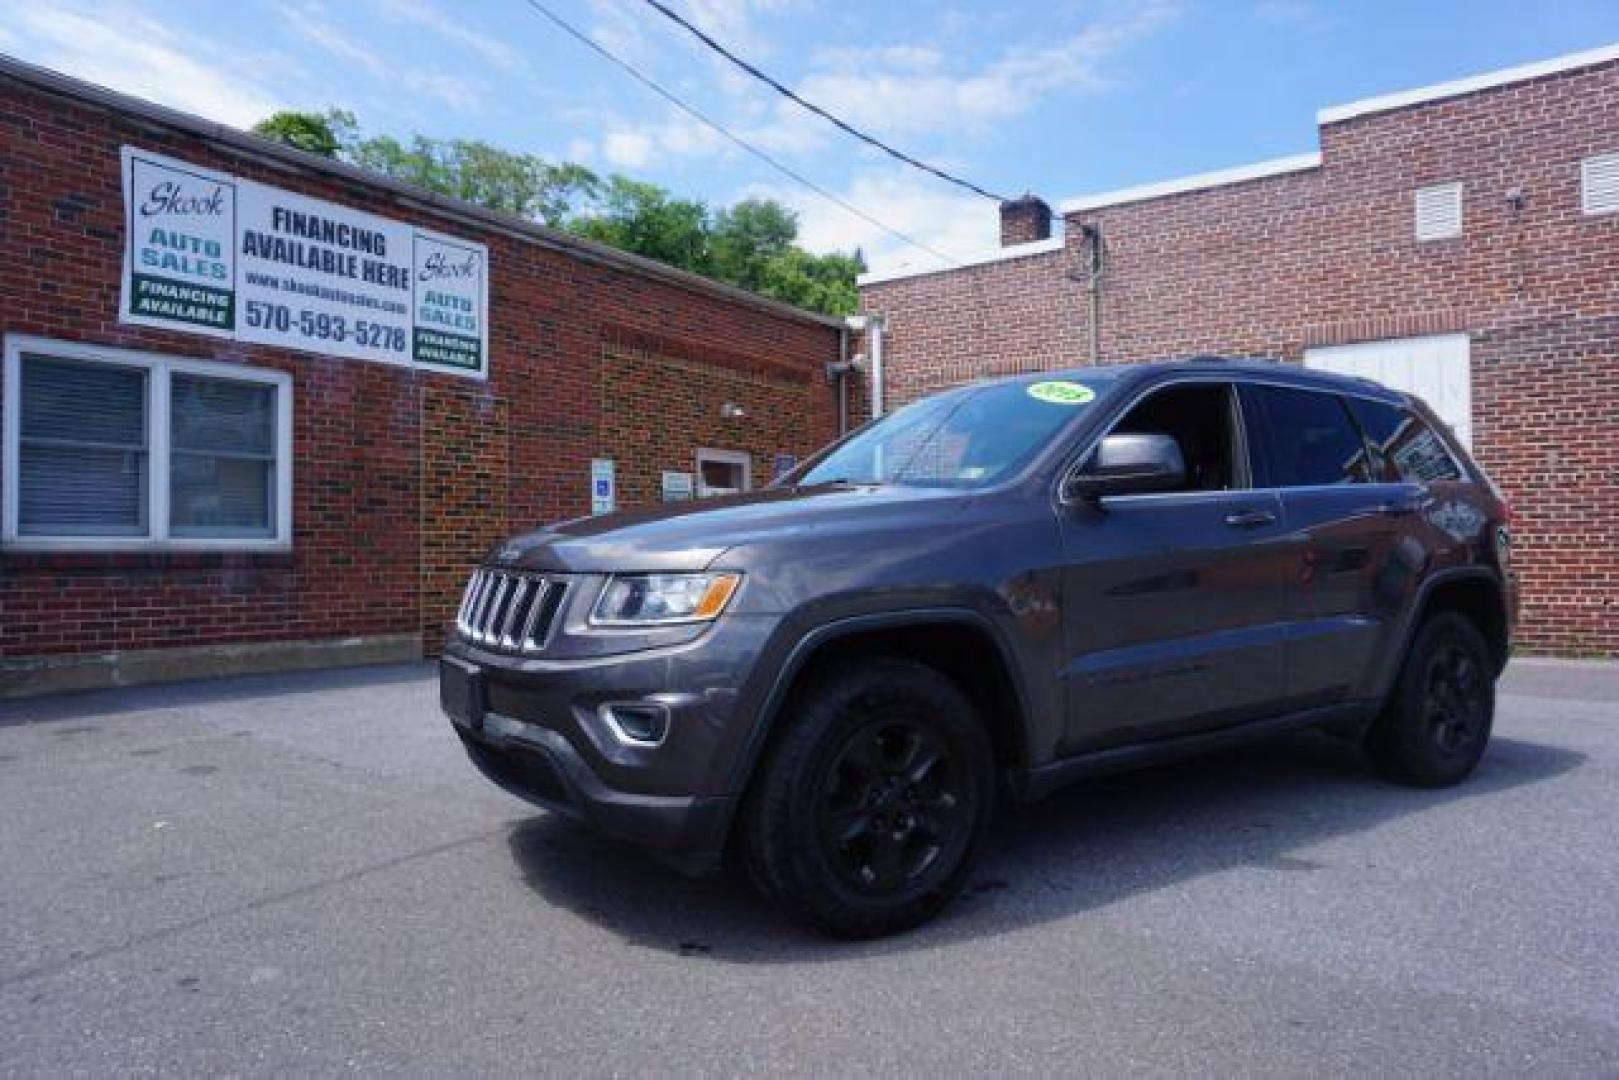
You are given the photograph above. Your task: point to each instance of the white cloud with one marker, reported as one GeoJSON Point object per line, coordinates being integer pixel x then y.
{"type": "Point", "coordinates": [904, 90]}
{"type": "Point", "coordinates": [628, 149]}
{"type": "Point", "coordinates": [901, 92]}
{"type": "Point", "coordinates": [453, 27]}
{"type": "Point", "coordinates": [127, 51]}
{"type": "Point", "coordinates": [895, 57]}
{"type": "Point", "coordinates": [624, 26]}
{"type": "Point", "coordinates": [951, 222]}
{"type": "Point", "coordinates": [453, 90]}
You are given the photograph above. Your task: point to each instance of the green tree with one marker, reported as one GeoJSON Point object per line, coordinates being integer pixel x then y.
{"type": "Point", "coordinates": [644, 218]}
{"type": "Point", "coordinates": [481, 173]}
{"type": "Point", "coordinates": [748, 238]}
{"type": "Point", "coordinates": [824, 283]}
{"type": "Point", "coordinates": [752, 244]}
{"type": "Point", "coordinates": [315, 133]}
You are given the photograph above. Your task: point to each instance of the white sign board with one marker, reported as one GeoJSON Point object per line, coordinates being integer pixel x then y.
{"type": "Point", "coordinates": [603, 486]}
{"type": "Point", "coordinates": [207, 252]}
{"type": "Point", "coordinates": [677, 486]}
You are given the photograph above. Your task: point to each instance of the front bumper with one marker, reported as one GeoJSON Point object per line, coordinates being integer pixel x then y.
{"type": "Point", "coordinates": [535, 726]}
{"type": "Point", "coordinates": [541, 767]}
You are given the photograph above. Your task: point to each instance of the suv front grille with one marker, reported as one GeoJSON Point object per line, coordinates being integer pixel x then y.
{"type": "Point", "coordinates": [503, 610]}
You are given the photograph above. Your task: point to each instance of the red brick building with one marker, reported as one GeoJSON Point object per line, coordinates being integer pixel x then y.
{"type": "Point", "coordinates": [1460, 241]}
{"type": "Point", "coordinates": [198, 479]}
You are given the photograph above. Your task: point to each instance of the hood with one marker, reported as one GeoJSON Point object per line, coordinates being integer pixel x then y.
{"type": "Point", "coordinates": [691, 535]}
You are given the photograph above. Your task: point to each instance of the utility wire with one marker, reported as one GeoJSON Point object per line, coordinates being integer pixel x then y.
{"type": "Point", "coordinates": [645, 80]}
{"type": "Point", "coordinates": [787, 92]}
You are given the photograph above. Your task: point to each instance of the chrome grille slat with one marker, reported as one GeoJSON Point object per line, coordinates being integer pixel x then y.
{"type": "Point", "coordinates": [542, 592]}
{"type": "Point", "coordinates": [484, 602]}
{"type": "Point", "coordinates": [486, 626]}
{"type": "Point", "coordinates": [509, 611]}
{"type": "Point", "coordinates": [514, 608]}
{"type": "Point", "coordinates": [474, 598]}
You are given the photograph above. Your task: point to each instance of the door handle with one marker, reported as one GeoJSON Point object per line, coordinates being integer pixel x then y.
{"type": "Point", "coordinates": [1250, 519]}
{"type": "Point", "coordinates": [1398, 507]}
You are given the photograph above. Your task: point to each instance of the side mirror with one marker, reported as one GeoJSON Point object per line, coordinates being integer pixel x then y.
{"type": "Point", "coordinates": [1129, 463]}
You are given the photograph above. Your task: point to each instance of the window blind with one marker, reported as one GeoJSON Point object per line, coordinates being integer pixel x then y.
{"type": "Point", "coordinates": [83, 447]}
{"type": "Point", "coordinates": [221, 457]}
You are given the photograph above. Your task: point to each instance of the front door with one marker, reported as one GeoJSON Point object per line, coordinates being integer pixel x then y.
{"type": "Point", "coordinates": [1173, 602]}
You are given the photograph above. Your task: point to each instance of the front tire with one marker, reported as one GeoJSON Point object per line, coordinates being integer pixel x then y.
{"type": "Point", "coordinates": [1437, 722]}
{"type": "Point", "coordinates": [869, 812]}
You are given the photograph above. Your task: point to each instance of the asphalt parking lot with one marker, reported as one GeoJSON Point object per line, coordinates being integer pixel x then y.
{"type": "Point", "coordinates": [301, 874]}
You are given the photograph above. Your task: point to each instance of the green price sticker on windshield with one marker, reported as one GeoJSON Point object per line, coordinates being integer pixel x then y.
{"type": "Point", "coordinates": [1062, 393]}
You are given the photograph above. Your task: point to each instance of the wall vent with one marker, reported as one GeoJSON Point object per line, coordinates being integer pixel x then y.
{"type": "Point", "coordinates": [1439, 212]}
{"type": "Point", "coordinates": [1599, 184]}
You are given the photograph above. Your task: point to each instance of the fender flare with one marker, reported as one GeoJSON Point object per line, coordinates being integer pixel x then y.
{"type": "Point", "coordinates": [808, 644]}
{"type": "Point", "coordinates": [1419, 605]}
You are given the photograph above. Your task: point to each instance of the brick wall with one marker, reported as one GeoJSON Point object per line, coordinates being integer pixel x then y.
{"type": "Point", "coordinates": [401, 479]}
{"type": "Point", "coordinates": [1271, 266]}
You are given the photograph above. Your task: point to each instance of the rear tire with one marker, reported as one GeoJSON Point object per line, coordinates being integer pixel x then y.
{"type": "Point", "coordinates": [869, 811]}
{"type": "Point", "coordinates": [1437, 722]}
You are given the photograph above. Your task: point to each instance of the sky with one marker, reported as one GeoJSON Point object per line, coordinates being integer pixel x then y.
{"type": "Point", "coordinates": [1060, 98]}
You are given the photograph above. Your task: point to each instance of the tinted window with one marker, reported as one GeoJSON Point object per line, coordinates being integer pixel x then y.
{"type": "Point", "coordinates": [1404, 446]}
{"type": "Point", "coordinates": [1312, 439]}
{"type": "Point", "coordinates": [1198, 417]}
{"type": "Point", "coordinates": [961, 438]}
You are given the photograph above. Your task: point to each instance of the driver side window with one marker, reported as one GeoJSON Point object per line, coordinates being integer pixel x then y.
{"type": "Point", "coordinates": [1199, 417]}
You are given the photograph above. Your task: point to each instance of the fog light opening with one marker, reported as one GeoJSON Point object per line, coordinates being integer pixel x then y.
{"type": "Point", "coordinates": [637, 723]}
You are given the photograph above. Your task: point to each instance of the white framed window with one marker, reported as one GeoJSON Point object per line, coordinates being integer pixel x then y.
{"type": "Point", "coordinates": [1439, 212]}
{"type": "Point", "coordinates": [117, 450]}
{"type": "Point", "coordinates": [723, 472]}
{"type": "Point", "coordinates": [1599, 184]}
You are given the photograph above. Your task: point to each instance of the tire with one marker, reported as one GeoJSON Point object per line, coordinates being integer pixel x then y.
{"type": "Point", "coordinates": [1436, 724]}
{"type": "Point", "coordinates": [870, 809]}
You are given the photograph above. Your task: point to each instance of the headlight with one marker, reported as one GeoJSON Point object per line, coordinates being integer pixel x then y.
{"type": "Point", "coordinates": [659, 599]}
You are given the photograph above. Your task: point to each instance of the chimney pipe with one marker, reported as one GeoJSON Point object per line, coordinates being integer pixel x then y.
{"type": "Point", "coordinates": [1025, 220]}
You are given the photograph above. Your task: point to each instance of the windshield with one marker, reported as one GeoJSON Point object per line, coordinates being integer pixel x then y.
{"type": "Point", "coordinates": [970, 437]}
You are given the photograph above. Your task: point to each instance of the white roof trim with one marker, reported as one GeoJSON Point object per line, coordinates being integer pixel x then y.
{"type": "Point", "coordinates": [1334, 114]}
{"type": "Point", "coordinates": [1011, 251]}
{"type": "Point", "coordinates": [1218, 178]}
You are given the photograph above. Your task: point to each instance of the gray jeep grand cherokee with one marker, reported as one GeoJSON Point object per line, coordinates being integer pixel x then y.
{"type": "Point", "coordinates": [1006, 587]}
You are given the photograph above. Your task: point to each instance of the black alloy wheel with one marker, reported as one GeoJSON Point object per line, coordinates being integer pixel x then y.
{"type": "Point", "coordinates": [892, 804]}
{"type": "Point", "coordinates": [868, 810]}
{"type": "Point", "coordinates": [1436, 723]}
{"type": "Point", "coordinates": [1455, 699]}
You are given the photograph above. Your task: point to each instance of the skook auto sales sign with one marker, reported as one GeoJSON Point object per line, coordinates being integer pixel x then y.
{"type": "Point", "coordinates": [211, 253]}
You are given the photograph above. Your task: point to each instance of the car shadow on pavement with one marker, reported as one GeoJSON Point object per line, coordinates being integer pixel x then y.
{"type": "Point", "coordinates": [1082, 849]}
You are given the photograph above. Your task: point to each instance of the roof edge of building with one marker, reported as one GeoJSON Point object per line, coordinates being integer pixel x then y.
{"type": "Point", "coordinates": [1471, 84]}
{"type": "Point", "coordinates": [1237, 174]}
{"type": "Point", "coordinates": [1003, 254]}
{"type": "Point", "coordinates": [249, 145]}
{"type": "Point", "coordinates": [1334, 114]}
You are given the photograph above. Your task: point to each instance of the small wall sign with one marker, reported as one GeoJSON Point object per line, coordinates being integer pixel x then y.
{"type": "Point", "coordinates": [603, 486]}
{"type": "Point", "coordinates": [677, 486]}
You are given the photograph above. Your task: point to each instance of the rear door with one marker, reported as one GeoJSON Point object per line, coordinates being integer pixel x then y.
{"type": "Point", "coordinates": [1173, 602]}
{"type": "Point", "coordinates": [1347, 566]}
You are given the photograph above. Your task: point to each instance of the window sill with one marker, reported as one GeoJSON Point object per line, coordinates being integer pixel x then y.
{"type": "Point", "coordinates": [93, 544]}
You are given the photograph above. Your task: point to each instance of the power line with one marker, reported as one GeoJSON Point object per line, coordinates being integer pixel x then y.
{"type": "Point", "coordinates": [788, 93]}
{"type": "Point", "coordinates": [645, 80]}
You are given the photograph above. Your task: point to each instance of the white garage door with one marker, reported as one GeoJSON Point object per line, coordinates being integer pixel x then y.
{"type": "Point", "coordinates": [1436, 369]}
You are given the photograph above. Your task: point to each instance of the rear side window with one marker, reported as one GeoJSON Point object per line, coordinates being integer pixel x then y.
{"type": "Point", "coordinates": [1404, 446]}
{"type": "Point", "coordinates": [1311, 438]}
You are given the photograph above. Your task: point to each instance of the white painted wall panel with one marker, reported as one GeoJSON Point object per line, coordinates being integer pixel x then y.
{"type": "Point", "coordinates": [1437, 369]}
